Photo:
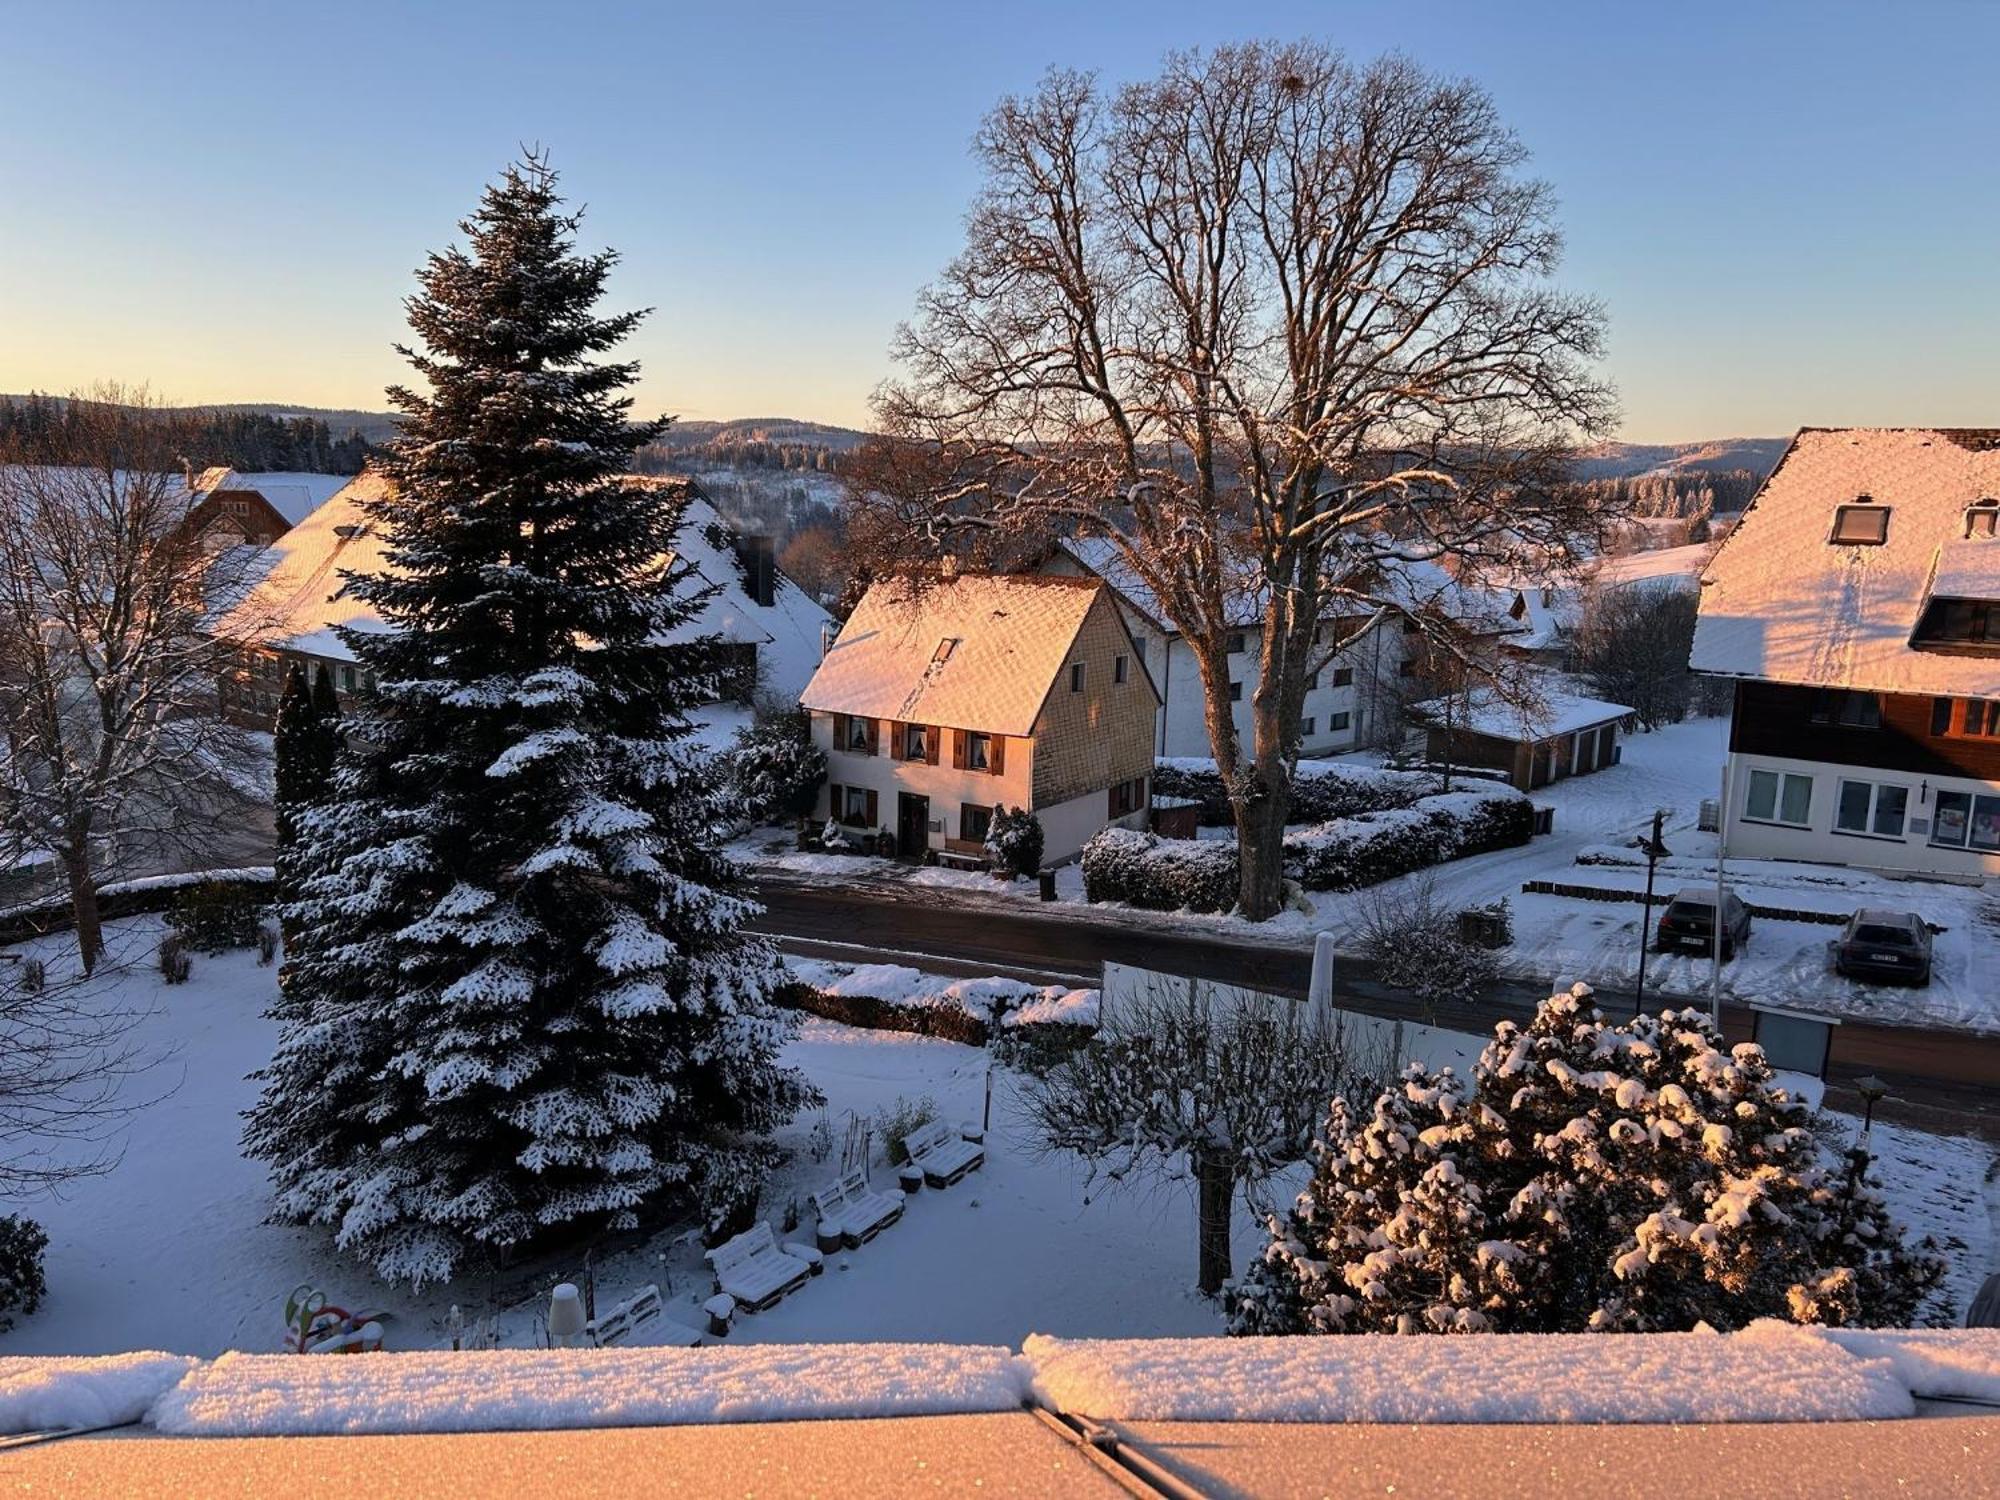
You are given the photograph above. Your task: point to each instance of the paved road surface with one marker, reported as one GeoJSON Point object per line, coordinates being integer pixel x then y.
{"type": "Point", "coordinates": [1942, 1079]}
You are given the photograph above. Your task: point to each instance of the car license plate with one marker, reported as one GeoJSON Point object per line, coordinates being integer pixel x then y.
{"type": "Point", "coordinates": [1884, 958]}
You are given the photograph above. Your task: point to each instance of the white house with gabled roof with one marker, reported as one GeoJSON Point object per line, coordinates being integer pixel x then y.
{"type": "Point", "coordinates": [943, 700]}
{"type": "Point", "coordinates": [1857, 607]}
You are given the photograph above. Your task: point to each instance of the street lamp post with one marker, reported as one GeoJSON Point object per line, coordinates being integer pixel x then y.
{"type": "Point", "coordinates": [1654, 849]}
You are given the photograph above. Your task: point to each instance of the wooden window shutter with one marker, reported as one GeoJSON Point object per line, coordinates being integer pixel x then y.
{"type": "Point", "coordinates": [1145, 790]}
{"type": "Point", "coordinates": [1111, 800]}
{"type": "Point", "coordinates": [874, 814]}
{"type": "Point", "coordinates": [833, 804]}
{"type": "Point", "coordinates": [932, 734]}
{"type": "Point", "coordinates": [996, 753]}
{"type": "Point", "coordinates": [840, 731]}
{"type": "Point", "coordinates": [897, 731]}
{"type": "Point", "coordinates": [874, 732]}
{"type": "Point", "coordinates": [958, 738]}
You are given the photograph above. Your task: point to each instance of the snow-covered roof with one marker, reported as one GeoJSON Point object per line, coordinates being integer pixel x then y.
{"type": "Point", "coordinates": [1553, 713]}
{"type": "Point", "coordinates": [299, 601]}
{"type": "Point", "coordinates": [1662, 567]}
{"type": "Point", "coordinates": [1783, 603]}
{"type": "Point", "coordinates": [292, 495]}
{"type": "Point", "coordinates": [978, 651]}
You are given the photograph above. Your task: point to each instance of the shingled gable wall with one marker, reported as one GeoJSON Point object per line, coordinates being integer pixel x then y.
{"type": "Point", "coordinates": [1086, 742]}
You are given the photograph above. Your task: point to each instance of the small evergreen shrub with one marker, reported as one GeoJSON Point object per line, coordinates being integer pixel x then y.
{"type": "Point", "coordinates": [775, 768]}
{"type": "Point", "coordinates": [22, 1282]}
{"type": "Point", "coordinates": [176, 963]}
{"type": "Point", "coordinates": [214, 917]}
{"type": "Point", "coordinates": [1014, 841]}
{"type": "Point", "coordinates": [900, 1119]}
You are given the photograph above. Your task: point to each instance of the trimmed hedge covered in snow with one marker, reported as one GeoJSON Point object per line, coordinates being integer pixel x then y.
{"type": "Point", "coordinates": [131, 898]}
{"type": "Point", "coordinates": [1344, 854]}
{"type": "Point", "coordinates": [1143, 869]}
{"type": "Point", "coordinates": [1321, 791]}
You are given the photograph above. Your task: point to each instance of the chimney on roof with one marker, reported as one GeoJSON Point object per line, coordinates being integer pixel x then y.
{"type": "Point", "coordinates": [826, 639]}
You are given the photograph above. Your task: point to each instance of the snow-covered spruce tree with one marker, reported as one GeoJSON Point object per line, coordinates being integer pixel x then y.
{"type": "Point", "coordinates": [1590, 1177]}
{"type": "Point", "coordinates": [293, 736]}
{"type": "Point", "coordinates": [524, 1004]}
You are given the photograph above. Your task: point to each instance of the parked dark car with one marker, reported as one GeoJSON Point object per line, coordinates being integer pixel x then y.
{"type": "Point", "coordinates": [1688, 923]}
{"type": "Point", "coordinates": [1884, 945]}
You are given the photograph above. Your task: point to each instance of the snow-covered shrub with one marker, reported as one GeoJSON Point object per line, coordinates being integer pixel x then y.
{"type": "Point", "coordinates": [1638, 1177]}
{"type": "Point", "coordinates": [1039, 1046]}
{"type": "Point", "coordinates": [943, 1019]}
{"type": "Point", "coordinates": [1143, 869]}
{"type": "Point", "coordinates": [775, 769]}
{"type": "Point", "coordinates": [1373, 847]}
{"type": "Point", "coordinates": [1014, 841]}
{"type": "Point", "coordinates": [1366, 849]}
{"type": "Point", "coordinates": [1321, 792]}
{"type": "Point", "coordinates": [22, 1282]}
{"type": "Point", "coordinates": [267, 944]}
{"type": "Point", "coordinates": [902, 1118]}
{"type": "Point", "coordinates": [1413, 941]}
{"type": "Point", "coordinates": [214, 917]}
{"type": "Point", "coordinates": [176, 963]}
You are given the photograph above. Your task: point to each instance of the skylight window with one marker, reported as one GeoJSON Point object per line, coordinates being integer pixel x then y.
{"type": "Point", "coordinates": [1982, 519]}
{"type": "Point", "coordinates": [1862, 524]}
{"type": "Point", "coordinates": [944, 649]}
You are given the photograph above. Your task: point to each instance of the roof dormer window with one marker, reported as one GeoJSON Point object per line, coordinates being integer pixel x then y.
{"type": "Point", "coordinates": [1862, 524]}
{"type": "Point", "coordinates": [1982, 519]}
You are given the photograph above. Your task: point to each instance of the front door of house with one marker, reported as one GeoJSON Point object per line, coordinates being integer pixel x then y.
{"type": "Point", "coordinates": [913, 825]}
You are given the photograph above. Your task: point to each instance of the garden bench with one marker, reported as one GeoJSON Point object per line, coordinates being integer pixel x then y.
{"type": "Point", "coordinates": [942, 1153]}
{"type": "Point", "coordinates": [851, 1213]}
{"type": "Point", "coordinates": [752, 1269]}
{"type": "Point", "coordinates": [626, 1318]}
{"type": "Point", "coordinates": [957, 859]}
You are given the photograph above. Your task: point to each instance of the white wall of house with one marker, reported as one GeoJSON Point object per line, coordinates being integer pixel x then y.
{"type": "Point", "coordinates": [1068, 826]}
{"type": "Point", "coordinates": [1817, 836]}
{"type": "Point", "coordinates": [946, 787]}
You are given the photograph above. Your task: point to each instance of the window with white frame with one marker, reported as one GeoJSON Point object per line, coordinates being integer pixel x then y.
{"type": "Point", "coordinates": [916, 742]}
{"type": "Point", "coordinates": [1876, 808]}
{"type": "Point", "coordinates": [1966, 820]}
{"type": "Point", "coordinates": [1778, 797]}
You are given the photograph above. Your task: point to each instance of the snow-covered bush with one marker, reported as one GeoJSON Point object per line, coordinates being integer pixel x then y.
{"type": "Point", "coordinates": [1412, 939]}
{"type": "Point", "coordinates": [1321, 792]}
{"type": "Point", "coordinates": [22, 1282]}
{"type": "Point", "coordinates": [775, 769]}
{"type": "Point", "coordinates": [1014, 841]}
{"type": "Point", "coordinates": [1373, 847]}
{"type": "Point", "coordinates": [1366, 849]}
{"type": "Point", "coordinates": [943, 1019]}
{"type": "Point", "coordinates": [1587, 1177]}
{"type": "Point", "coordinates": [1143, 869]}
{"type": "Point", "coordinates": [214, 917]}
{"type": "Point", "coordinates": [174, 959]}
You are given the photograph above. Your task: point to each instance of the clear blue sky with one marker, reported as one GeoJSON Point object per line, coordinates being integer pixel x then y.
{"type": "Point", "coordinates": [1791, 211]}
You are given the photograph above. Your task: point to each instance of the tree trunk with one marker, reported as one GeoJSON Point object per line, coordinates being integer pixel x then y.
{"type": "Point", "coordinates": [1216, 1186]}
{"type": "Point", "coordinates": [1260, 847]}
{"type": "Point", "coordinates": [83, 908]}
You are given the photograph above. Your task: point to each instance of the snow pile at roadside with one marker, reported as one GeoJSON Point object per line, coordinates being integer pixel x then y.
{"type": "Point", "coordinates": [38, 1395]}
{"type": "Point", "coordinates": [1010, 1002]}
{"type": "Point", "coordinates": [277, 1395]}
{"type": "Point", "coordinates": [1771, 1372]}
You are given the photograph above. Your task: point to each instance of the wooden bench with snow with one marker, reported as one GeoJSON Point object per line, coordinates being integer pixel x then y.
{"type": "Point", "coordinates": [943, 1154]}
{"type": "Point", "coordinates": [851, 1214]}
{"type": "Point", "coordinates": [754, 1270]}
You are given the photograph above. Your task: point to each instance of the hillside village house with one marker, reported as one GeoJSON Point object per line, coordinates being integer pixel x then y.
{"type": "Point", "coordinates": [939, 703]}
{"type": "Point", "coordinates": [1857, 605]}
{"type": "Point", "coordinates": [1354, 701]}
{"type": "Point", "coordinates": [298, 603]}
{"type": "Point", "coordinates": [232, 509]}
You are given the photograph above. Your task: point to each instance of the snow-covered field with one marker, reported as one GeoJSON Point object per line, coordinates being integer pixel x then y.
{"type": "Point", "coordinates": [169, 1250]}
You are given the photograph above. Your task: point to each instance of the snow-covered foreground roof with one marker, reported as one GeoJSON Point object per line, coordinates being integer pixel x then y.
{"type": "Point", "coordinates": [1770, 1372]}
{"type": "Point", "coordinates": [978, 651]}
{"type": "Point", "coordinates": [1784, 603]}
{"type": "Point", "coordinates": [1555, 713]}
{"type": "Point", "coordinates": [299, 601]}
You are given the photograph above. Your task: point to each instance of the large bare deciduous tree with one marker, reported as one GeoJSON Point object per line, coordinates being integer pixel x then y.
{"type": "Point", "coordinates": [111, 749]}
{"type": "Point", "coordinates": [1279, 327]}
